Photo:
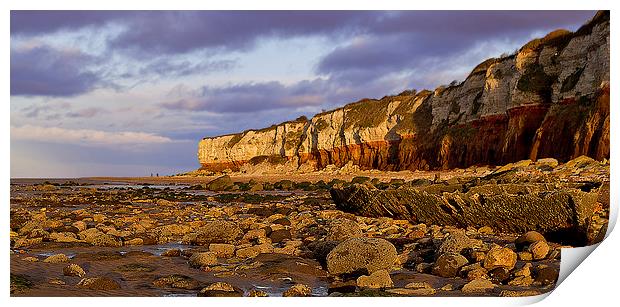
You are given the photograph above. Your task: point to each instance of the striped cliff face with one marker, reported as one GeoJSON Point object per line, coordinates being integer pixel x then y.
{"type": "Point", "coordinates": [551, 99]}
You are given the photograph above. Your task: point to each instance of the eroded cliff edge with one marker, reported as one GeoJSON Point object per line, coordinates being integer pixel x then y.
{"type": "Point", "coordinates": [550, 99]}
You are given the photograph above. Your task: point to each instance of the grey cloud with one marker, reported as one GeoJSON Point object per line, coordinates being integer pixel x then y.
{"type": "Point", "coordinates": [45, 71]}
{"type": "Point", "coordinates": [251, 97]}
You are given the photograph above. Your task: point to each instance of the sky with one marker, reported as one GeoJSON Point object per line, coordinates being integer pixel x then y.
{"type": "Point", "coordinates": [130, 93]}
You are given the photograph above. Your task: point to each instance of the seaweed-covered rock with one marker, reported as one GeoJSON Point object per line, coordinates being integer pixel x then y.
{"type": "Point", "coordinates": [546, 209]}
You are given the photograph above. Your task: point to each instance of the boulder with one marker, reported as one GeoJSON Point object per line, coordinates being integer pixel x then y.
{"type": "Point", "coordinates": [377, 280]}
{"type": "Point", "coordinates": [361, 255]}
{"type": "Point", "coordinates": [99, 283]}
{"type": "Point", "coordinates": [220, 289]}
{"type": "Point", "coordinates": [547, 275]}
{"type": "Point", "coordinates": [343, 229]}
{"type": "Point", "coordinates": [280, 235]}
{"type": "Point", "coordinates": [500, 257]}
{"type": "Point", "coordinates": [253, 251]}
{"type": "Point", "coordinates": [456, 242]}
{"type": "Point", "coordinates": [216, 232]}
{"type": "Point", "coordinates": [524, 240]}
{"type": "Point", "coordinates": [222, 250]}
{"type": "Point", "coordinates": [57, 258]}
{"type": "Point", "coordinates": [220, 184]}
{"type": "Point", "coordinates": [198, 260]}
{"type": "Point", "coordinates": [478, 286]}
{"type": "Point", "coordinates": [297, 290]}
{"type": "Point", "coordinates": [449, 264]}
{"type": "Point", "coordinates": [539, 250]}
{"type": "Point", "coordinates": [73, 270]}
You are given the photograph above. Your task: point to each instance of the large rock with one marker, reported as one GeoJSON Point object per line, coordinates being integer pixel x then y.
{"type": "Point", "coordinates": [57, 258]}
{"type": "Point", "coordinates": [198, 260]}
{"type": "Point", "coordinates": [449, 264]}
{"type": "Point", "coordinates": [220, 184]}
{"type": "Point", "coordinates": [73, 270]}
{"type": "Point", "coordinates": [377, 280]}
{"type": "Point", "coordinates": [545, 208]}
{"type": "Point", "coordinates": [528, 238]}
{"type": "Point", "coordinates": [297, 290]}
{"type": "Point", "coordinates": [456, 242]}
{"type": "Point", "coordinates": [361, 255]}
{"type": "Point", "coordinates": [216, 232]}
{"type": "Point", "coordinates": [343, 229]}
{"type": "Point", "coordinates": [220, 289]}
{"type": "Point", "coordinates": [500, 257]}
{"type": "Point", "coordinates": [99, 283]}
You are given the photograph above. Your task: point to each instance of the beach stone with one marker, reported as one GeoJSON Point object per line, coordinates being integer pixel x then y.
{"type": "Point", "coordinates": [99, 283]}
{"type": "Point", "coordinates": [343, 229]}
{"type": "Point", "coordinates": [499, 274]}
{"type": "Point", "coordinates": [58, 258]}
{"type": "Point", "coordinates": [377, 280]}
{"type": "Point", "coordinates": [30, 259]}
{"type": "Point", "coordinates": [220, 184]}
{"type": "Point", "coordinates": [449, 264]}
{"type": "Point", "coordinates": [216, 232]}
{"type": "Point", "coordinates": [525, 256]}
{"type": "Point", "coordinates": [478, 286]}
{"type": "Point", "coordinates": [134, 242]}
{"type": "Point", "coordinates": [524, 271]}
{"type": "Point", "coordinates": [500, 257]}
{"type": "Point", "coordinates": [80, 225]}
{"type": "Point", "coordinates": [456, 242]}
{"type": "Point", "coordinates": [297, 290]}
{"type": "Point", "coordinates": [173, 252]}
{"type": "Point", "coordinates": [73, 270]}
{"type": "Point", "coordinates": [177, 281]}
{"type": "Point", "coordinates": [547, 275]}
{"type": "Point", "coordinates": [539, 250]}
{"type": "Point", "coordinates": [220, 289]}
{"type": "Point", "coordinates": [253, 251]}
{"type": "Point", "coordinates": [198, 260]}
{"type": "Point", "coordinates": [280, 235]}
{"type": "Point", "coordinates": [282, 221]}
{"type": "Point", "coordinates": [524, 240]}
{"type": "Point", "coordinates": [486, 230]}
{"type": "Point", "coordinates": [521, 281]}
{"type": "Point", "coordinates": [106, 240]}
{"type": "Point", "coordinates": [257, 293]}
{"type": "Point", "coordinates": [363, 255]}
{"type": "Point", "coordinates": [222, 250]}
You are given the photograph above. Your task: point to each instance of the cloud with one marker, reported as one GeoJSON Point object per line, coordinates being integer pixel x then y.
{"type": "Point", "coordinates": [405, 40]}
{"type": "Point", "coordinates": [165, 67]}
{"type": "Point", "coordinates": [86, 112]}
{"type": "Point", "coordinates": [33, 22]}
{"type": "Point", "coordinates": [173, 32]}
{"type": "Point", "coordinates": [251, 97]}
{"type": "Point", "coordinates": [84, 137]}
{"type": "Point", "coordinates": [45, 71]}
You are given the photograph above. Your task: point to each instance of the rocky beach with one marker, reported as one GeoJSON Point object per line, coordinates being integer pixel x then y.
{"type": "Point", "coordinates": [236, 236]}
